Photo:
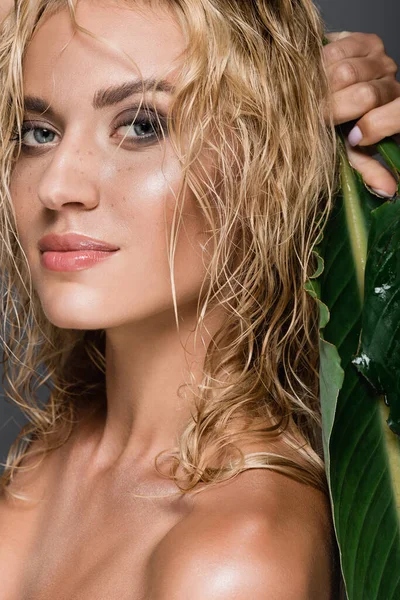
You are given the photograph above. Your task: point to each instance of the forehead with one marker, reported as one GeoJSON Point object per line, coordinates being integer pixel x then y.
{"type": "Point", "coordinates": [57, 58]}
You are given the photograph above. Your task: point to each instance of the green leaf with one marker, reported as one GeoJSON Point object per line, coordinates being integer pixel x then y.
{"type": "Point", "coordinates": [362, 455]}
{"type": "Point", "coordinates": [378, 357]}
{"type": "Point", "coordinates": [331, 381]}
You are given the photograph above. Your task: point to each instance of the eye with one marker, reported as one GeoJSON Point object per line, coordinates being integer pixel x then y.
{"type": "Point", "coordinates": [31, 133]}
{"type": "Point", "coordinates": [145, 127]}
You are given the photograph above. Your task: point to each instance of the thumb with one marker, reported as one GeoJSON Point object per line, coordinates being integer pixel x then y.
{"type": "Point", "coordinates": [375, 175]}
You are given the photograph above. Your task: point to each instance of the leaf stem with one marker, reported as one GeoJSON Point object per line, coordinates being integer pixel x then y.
{"type": "Point", "coordinates": [355, 219]}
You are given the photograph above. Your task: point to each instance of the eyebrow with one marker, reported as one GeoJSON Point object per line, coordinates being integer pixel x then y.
{"type": "Point", "coordinates": [105, 96]}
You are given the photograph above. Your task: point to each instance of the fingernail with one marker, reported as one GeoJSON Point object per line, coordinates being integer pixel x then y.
{"type": "Point", "coordinates": [382, 193]}
{"type": "Point", "coordinates": [355, 136]}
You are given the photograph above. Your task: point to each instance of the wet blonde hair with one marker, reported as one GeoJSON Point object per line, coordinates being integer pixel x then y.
{"type": "Point", "coordinates": [252, 94]}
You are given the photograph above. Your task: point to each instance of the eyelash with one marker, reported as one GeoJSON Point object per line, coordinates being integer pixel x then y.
{"type": "Point", "coordinates": [157, 121]}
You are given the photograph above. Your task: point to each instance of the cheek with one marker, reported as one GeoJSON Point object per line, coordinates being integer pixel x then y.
{"type": "Point", "coordinates": [149, 198]}
{"type": "Point", "coordinates": [23, 184]}
{"type": "Point", "coordinates": [145, 191]}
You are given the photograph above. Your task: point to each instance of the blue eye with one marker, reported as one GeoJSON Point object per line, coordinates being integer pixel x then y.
{"type": "Point", "coordinates": [147, 126]}
{"type": "Point", "coordinates": [40, 135]}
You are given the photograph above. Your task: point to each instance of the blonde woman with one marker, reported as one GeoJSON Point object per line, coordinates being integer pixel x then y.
{"type": "Point", "coordinates": [165, 167]}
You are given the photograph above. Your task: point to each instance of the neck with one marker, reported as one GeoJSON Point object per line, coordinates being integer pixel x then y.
{"type": "Point", "coordinates": [148, 405]}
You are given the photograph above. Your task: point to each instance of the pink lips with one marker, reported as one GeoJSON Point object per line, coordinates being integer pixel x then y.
{"type": "Point", "coordinates": [73, 241]}
{"type": "Point", "coordinates": [73, 252]}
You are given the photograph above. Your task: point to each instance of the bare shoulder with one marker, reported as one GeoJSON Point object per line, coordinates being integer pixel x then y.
{"type": "Point", "coordinates": [260, 536]}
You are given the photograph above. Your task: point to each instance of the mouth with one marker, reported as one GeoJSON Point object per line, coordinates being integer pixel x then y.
{"type": "Point", "coordinates": [69, 242]}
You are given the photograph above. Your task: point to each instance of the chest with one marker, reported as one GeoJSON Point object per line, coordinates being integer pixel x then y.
{"type": "Point", "coordinates": [82, 546]}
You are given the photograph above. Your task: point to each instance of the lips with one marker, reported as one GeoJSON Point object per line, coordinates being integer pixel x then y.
{"type": "Point", "coordinates": [73, 241]}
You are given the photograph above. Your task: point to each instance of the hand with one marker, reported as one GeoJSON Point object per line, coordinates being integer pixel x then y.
{"type": "Point", "coordinates": [363, 82]}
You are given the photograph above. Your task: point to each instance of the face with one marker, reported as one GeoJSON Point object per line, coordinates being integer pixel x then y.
{"type": "Point", "coordinates": [72, 177]}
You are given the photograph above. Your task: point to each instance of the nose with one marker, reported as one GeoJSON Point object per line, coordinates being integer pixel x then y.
{"type": "Point", "coordinates": [71, 176]}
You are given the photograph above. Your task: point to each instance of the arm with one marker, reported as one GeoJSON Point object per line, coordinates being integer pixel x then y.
{"type": "Point", "coordinates": [363, 83]}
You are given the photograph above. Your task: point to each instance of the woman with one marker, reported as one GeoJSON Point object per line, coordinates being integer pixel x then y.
{"type": "Point", "coordinates": [177, 135]}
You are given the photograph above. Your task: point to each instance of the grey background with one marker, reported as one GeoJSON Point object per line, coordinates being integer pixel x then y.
{"type": "Point", "coordinates": [370, 16]}
{"type": "Point", "coordinates": [381, 17]}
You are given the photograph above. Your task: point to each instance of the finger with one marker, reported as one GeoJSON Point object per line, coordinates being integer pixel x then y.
{"type": "Point", "coordinates": [373, 173]}
{"type": "Point", "coordinates": [377, 124]}
{"type": "Point", "coordinates": [357, 100]}
{"type": "Point", "coordinates": [352, 46]}
{"type": "Point", "coordinates": [355, 70]}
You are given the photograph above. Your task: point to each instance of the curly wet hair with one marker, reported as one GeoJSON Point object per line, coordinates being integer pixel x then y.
{"type": "Point", "coordinates": [253, 94]}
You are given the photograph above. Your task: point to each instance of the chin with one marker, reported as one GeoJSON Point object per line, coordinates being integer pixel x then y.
{"type": "Point", "coordinates": [69, 320]}
{"type": "Point", "coordinates": [74, 311]}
